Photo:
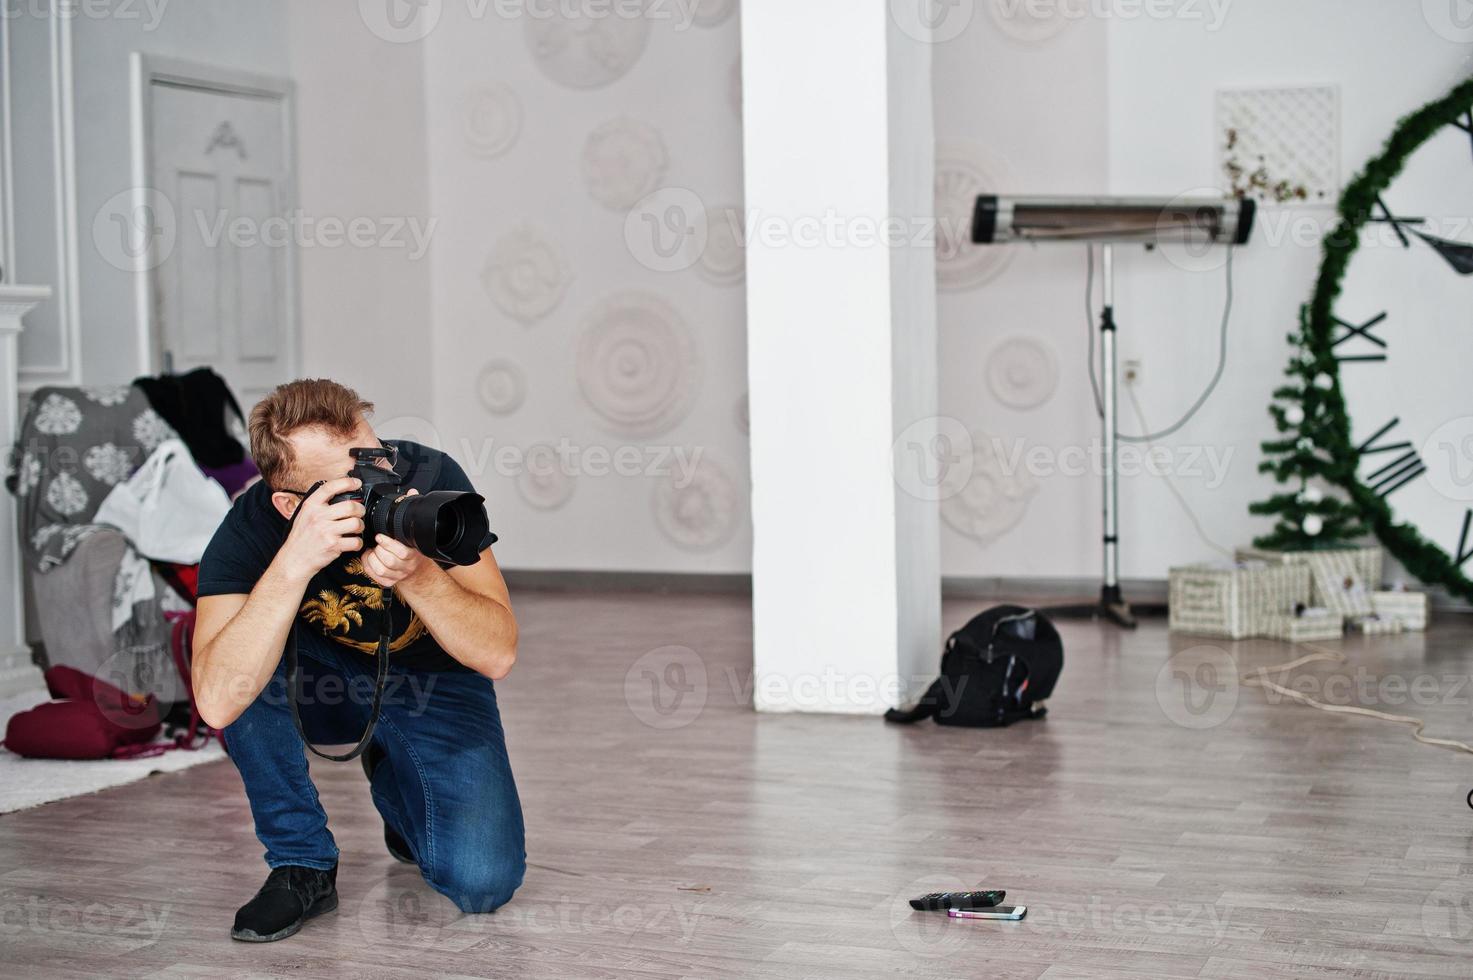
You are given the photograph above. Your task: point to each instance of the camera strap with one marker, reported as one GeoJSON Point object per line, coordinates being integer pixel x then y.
{"type": "Point", "coordinates": [294, 685]}
{"type": "Point", "coordinates": [294, 676]}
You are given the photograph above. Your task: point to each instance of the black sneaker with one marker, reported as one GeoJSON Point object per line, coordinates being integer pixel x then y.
{"type": "Point", "coordinates": [291, 895]}
{"type": "Point", "coordinates": [397, 845]}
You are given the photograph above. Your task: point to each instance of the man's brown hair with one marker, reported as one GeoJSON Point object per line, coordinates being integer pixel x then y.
{"type": "Point", "coordinates": [299, 405]}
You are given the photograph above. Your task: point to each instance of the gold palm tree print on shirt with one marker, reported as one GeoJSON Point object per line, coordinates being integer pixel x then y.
{"type": "Point", "coordinates": [339, 614]}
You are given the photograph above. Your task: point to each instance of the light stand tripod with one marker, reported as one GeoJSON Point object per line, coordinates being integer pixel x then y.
{"type": "Point", "coordinates": [1109, 221]}
{"type": "Point", "coordinates": [1112, 605]}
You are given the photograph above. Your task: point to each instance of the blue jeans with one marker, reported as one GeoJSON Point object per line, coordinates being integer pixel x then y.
{"type": "Point", "coordinates": [444, 782]}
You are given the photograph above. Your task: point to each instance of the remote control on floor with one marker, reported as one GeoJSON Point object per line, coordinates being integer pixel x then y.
{"type": "Point", "coordinates": [942, 901]}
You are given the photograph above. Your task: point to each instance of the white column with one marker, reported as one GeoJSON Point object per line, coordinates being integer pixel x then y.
{"type": "Point", "coordinates": [841, 348]}
{"type": "Point", "coordinates": [16, 671]}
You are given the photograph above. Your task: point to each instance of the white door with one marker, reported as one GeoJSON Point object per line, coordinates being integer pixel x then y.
{"type": "Point", "coordinates": [223, 292]}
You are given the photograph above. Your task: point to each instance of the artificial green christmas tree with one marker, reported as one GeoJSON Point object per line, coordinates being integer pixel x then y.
{"type": "Point", "coordinates": [1308, 518]}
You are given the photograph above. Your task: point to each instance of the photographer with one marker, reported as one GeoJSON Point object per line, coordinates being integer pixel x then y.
{"type": "Point", "coordinates": [289, 560]}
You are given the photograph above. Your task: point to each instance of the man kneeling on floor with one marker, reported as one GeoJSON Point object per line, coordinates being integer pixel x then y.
{"type": "Point", "coordinates": [287, 559]}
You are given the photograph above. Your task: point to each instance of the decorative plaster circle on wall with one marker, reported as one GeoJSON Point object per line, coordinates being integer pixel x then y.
{"type": "Point", "coordinates": [698, 509]}
{"type": "Point", "coordinates": [525, 275]}
{"type": "Point", "coordinates": [1034, 23]}
{"type": "Point", "coordinates": [995, 497]}
{"type": "Point", "coordinates": [637, 364]}
{"type": "Point", "coordinates": [724, 259]}
{"type": "Point", "coordinates": [492, 120]}
{"type": "Point", "coordinates": [623, 160]}
{"type": "Point", "coordinates": [963, 172]}
{"type": "Point", "coordinates": [709, 13]}
{"type": "Point", "coordinates": [586, 48]}
{"type": "Point", "coordinates": [544, 482]}
{"type": "Point", "coordinates": [1023, 372]}
{"type": "Point", "coordinates": [502, 386]}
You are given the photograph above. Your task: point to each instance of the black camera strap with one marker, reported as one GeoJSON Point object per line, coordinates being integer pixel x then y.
{"type": "Point", "coordinates": [294, 676]}
{"type": "Point", "coordinates": [294, 685]}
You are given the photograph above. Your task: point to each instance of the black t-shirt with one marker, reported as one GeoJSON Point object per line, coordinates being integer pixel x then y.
{"type": "Point", "coordinates": [341, 602]}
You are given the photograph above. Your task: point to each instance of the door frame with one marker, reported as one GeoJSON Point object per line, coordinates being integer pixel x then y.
{"type": "Point", "coordinates": [148, 70]}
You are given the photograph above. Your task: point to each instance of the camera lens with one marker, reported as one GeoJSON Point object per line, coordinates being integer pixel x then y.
{"type": "Point", "coordinates": [447, 525]}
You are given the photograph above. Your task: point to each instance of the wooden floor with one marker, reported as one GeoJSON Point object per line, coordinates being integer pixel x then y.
{"type": "Point", "coordinates": [1160, 823]}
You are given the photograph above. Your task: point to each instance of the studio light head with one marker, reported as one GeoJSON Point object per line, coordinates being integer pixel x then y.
{"type": "Point", "coordinates": [998, 218]}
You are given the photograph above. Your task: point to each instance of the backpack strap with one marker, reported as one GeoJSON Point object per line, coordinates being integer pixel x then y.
{"type": "Point", "coordinates": [927, 706]}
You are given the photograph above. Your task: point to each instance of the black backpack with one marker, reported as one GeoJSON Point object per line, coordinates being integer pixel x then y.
{"type": "Point", "coordinates": [997, 669]}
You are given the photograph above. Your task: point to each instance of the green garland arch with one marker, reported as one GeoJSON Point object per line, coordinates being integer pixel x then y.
{"type": "Point", "coordinates": [1421, 557]}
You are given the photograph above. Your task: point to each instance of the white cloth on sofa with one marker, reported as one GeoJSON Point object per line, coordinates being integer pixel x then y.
{"type": "Point", "coordinates": [169, 509]}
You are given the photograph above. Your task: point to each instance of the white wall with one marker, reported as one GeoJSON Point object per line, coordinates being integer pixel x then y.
{"type": "Point", "coordinates": [360, 103]}
{"type": "Point", "coordinates": [1126, 104]}
{"type": "Point", "coordinates": [1034, 116]}
{"type": "Point", "coordinates": [215, 32]}
{"type": "Point", "coordinates": [361, 149]}
{"type": "Point", "coordinates": [681, 87]}
{"type": "Point", "coordinates": [1104, 104]}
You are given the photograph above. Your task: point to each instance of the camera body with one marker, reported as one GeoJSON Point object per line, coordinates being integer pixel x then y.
{"type": "Point", "coordinates": [447, 525]}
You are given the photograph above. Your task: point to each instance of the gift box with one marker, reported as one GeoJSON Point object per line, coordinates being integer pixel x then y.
{"type": "Point", "coordinates": [1342, 578]}
{"type": "Point", "coordinates": [1319, 624]}
{"type": "Point", "coordinates": [1234, 600]}
{"type": "Point", "coordinates": [1377, 626]}
{"type": "Point", "coordinates": [1407, 608]}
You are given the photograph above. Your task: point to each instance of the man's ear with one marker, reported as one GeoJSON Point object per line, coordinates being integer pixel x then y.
{"type": "Point", "coordinates": [286, 504]}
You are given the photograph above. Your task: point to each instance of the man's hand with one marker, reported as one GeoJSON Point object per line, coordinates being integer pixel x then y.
{"type": "Point", "coordinates": [322, 531]}
{"type": "Point", "coordinates": [388, 562]}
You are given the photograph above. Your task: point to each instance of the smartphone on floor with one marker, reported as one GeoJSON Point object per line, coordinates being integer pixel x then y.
{"type": "Point", "coordinates": [1008, 913]}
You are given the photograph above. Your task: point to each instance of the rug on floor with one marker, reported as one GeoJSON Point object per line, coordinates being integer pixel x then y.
{"type": "Point", "coordinates": [30, 782]}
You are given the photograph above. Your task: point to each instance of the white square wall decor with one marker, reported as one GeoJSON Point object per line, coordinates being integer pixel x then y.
{"type": "Point", "coordinates": [1280, 145]}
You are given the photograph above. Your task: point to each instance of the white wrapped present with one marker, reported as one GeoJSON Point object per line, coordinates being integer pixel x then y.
{"type": "Point", "coordinates": [1407, 608]}
{"type": "Point", "coordinates": [1311, 624]}
{"type": "Point", "coordinates": [1235, 599]}
{"type": "Point", "coordinates": [1343, 578]}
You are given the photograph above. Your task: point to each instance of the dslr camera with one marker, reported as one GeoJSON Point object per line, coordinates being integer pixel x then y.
{"type": "Point", "coordinates": [446, 525]}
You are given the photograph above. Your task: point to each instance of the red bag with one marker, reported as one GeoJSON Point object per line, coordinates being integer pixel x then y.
{"type": "Point", "coordinates": [90, 719]}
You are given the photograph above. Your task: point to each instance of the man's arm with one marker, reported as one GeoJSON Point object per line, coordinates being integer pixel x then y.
{"type": "Point", "coordinates": [466, 609]}
{"type": "Point", "coordinates": [239, 639]}
{"type": "Point", "coordinates": [238, 642]}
